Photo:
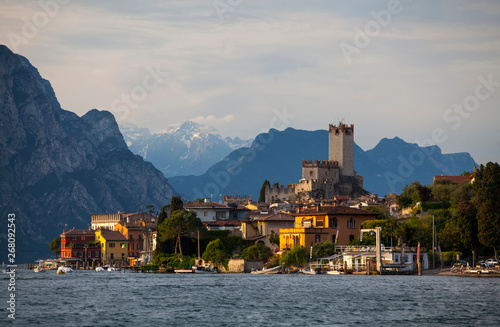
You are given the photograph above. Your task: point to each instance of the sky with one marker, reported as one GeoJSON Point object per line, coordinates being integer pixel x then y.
{"type": "Point", "coordinates": [427, 71]}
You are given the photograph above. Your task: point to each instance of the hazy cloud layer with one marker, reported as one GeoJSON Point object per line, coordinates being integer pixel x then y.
{"type": "Point", "coordinates": [231, 64]}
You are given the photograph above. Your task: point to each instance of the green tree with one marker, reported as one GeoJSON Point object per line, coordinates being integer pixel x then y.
{"type": "Point", "coordinates": [180, 223]}
{"type": "Point", "coordinates": [215, 252]}
{"type": "Point", "coordinates": [274, 238]}
{"type": "Point", "coordinates": [323, 250]}
{"type": "Point", "coordinates": [296, 257]}
{"type": "Point", "coordinates": [257, 252]}
{"type": "Point", "coordinates": [467, 224]}
{"type": "Point", "coordinates": [176, 204]}
{"type": "Point", "coordinates": [262, 195]}
{"type": "Point", "coordinates": [487, 201]}
{"type": "Point", "coordinates": [409, 197]}
{"type": "Point", "coordinates": [150, 209]}
{"type": "Point", "coordinates": [55, 246]}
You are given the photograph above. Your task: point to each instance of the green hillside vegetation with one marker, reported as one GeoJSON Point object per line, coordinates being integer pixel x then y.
{"type": "Point", "coordinates": [466, 216]}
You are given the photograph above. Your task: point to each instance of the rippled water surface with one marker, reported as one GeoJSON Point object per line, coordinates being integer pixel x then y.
{"type": "Point", "coordinates": [126, 299]}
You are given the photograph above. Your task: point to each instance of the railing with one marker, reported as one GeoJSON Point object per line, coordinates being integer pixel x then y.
{"type": "Point", "coordinates": [372, 248]}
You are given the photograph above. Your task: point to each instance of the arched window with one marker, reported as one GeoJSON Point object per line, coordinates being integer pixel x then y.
{"type": "Point", "coordinates": [333, 222]}
{"type": "Point", "coordinates": [351, 223]}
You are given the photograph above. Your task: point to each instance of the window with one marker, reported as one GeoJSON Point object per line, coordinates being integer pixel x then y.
{"type": "Point", "coordinates": [80, 254]}
{"type": "Point", "coordinates": [74, 238]}
{"type": "Point", "coordinates": [131, 246]}
{"type": "Point", "coordinates": [83, 238]}
{"type": "Point", "coordinates": [333, 222]}
{"type": "Point", "coordinates": [111, 245]}
{"type": "Point", "coordinates": [96, 254]}
{"type": "Point", "coordinates": [351, 238]}
{"type": "Point", "coordinates": [317, 238]}
{"type": "Point", "coordinates": [123, 256]}
{"type": "Point", "coordinates": [111, 256]}
{"type": "Point", "coordinates": [205, 213]}
{"type": "Point", "coordinates": [333, 238]}
{"type": "Point", "coordinates": [351, 223]}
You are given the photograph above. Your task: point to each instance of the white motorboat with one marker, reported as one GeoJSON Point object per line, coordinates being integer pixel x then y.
{"type": "Point", "coordinates": [265, 271]}
{"type": "Point", "coordinates": [9, 269]}
{"type": "Point", "coordinates": [207, 269]}
{"type": "Point", "coordinates": [100, 269]}
{"type": "Point", "coordinates": [39, 269]}
{"type": "Point", "coordinates": [308, 271]}
{"type": "Point", "coordinates": [334, 272]}
{"type": "Point", "coordinates": [113, 269]}
{"type": "Point", "coordinates": [64, 270]}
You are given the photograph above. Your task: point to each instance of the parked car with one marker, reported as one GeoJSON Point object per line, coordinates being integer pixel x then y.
{"type": "Point", "coordinates": [460, 263]}
{"type": "Point", "coordinates": [491, 262]}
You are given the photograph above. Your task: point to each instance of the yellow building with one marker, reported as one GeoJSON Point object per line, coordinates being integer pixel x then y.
{"type": "Point", "coordinates": [114, 246]}
{"type": "Point", "coordinates": [324, 224]}
{"type": "Point", "coordinates": [261, 228]}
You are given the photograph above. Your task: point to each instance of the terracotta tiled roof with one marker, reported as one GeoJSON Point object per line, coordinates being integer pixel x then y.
{"type": "Point", "coordinates": [79, 232]}
{"type": "Point", "coordinates": [223, 223]}
{"type": "Point", "coordinates": [329, 210]}
{"type": "Point", "coordinates": [204, 205]}
{"type": "Point", "coordinates": [276, 217]}
{"type": "Point", "coordinates": [452, 179]}
{"type": "Point", "coordinates": [111, 235]}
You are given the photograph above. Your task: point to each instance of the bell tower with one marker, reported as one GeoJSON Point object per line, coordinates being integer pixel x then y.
{"type": "Point", "coordinates": [341, 147]}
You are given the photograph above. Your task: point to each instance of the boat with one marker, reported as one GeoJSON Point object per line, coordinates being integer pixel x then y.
{"type": "Point", "coordinates": [265, 271]}
{"type": "Point", "coordinates": [39, 269]}
{"type": "Point", "coordinates": [308, 271]}
{"type": "Point", "coordinates": [207, 269]}
{"type": "Point", "coordinates": [9, 269]}
{"type": "Point", "coordinates": [183, 271]}
{"type": "Point", "coordinates": [334, 272]}
{"type": "Point", "coordinates": [113, 269]}
{"type": "Point", "coordinates": [63, 270]}
{"type": "Point", "coordinates": [100, 269]}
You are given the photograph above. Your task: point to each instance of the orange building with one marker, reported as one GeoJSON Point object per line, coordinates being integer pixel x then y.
{"type": "Point", "coordinates": [324, 224]}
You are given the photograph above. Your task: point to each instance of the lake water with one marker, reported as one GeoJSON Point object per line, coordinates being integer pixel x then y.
{"type": "Point", "coordinates": [88, 298]}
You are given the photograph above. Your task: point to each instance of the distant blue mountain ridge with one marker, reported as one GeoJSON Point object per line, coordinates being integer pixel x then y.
{"type": "Point", "coordinates": [277, 156]}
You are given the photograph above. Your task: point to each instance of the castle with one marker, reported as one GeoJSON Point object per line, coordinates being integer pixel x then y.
{"type": "Point", "coordinates": [321, 179]}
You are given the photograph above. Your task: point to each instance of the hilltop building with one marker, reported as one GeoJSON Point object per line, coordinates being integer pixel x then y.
{"type": "Point", "coordinates": [325, 179]}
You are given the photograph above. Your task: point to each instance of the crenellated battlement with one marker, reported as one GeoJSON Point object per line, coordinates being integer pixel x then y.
{"type": "Point", "coordinates": [319, 164]}
{"type": "Point", "coordinates": [341, 128]}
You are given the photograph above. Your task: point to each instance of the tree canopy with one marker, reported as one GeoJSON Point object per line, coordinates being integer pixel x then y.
{"type": "Point", "coordinates": [487, 201]}
{"type": "Point", "coordinates": [262, 195]}
{"type": "Point", "coordinates": [180, 223]}
{"type": "Point", "coordinates": [55, 246]}
{"type": "Point", "coordinates": [257, 252]}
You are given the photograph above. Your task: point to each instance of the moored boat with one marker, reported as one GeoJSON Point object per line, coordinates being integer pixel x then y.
{"type": "Point", "coordinates": [265, 271]}
{"type": "Point", "coordinates": [39, 269]}
{"type": "Point", "coordinates": [308, 271]}
{"type": "Point", "coordinates": [334, 272]}
{"type": "Point", "coordinates": [100, 269]}
{"type": "Point", "coordinates": [207, 269]}
{"type": "Point", "coordinates": [64, 270]}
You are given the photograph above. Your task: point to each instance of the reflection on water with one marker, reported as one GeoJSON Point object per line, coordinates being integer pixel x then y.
{"type": "Point", "coordinates": [126, 299]}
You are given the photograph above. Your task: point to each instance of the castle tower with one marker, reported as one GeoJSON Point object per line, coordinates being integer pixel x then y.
{"type": "Point", "coordinates": [341, 147]}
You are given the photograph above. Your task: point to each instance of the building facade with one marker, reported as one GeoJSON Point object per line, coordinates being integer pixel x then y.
{"type": "Point", "coordinates": [114, 247]}
{"type": "Point", "coordinates": [261, 229]}
{"type": "Point", "coordinates": [335, 224]}
{"type": "Point", "coordinates": [78, 248]}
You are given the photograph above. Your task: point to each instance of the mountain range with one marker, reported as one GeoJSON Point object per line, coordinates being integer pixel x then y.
{"type": "Point", "coordinates": [277, 156]}
{"type": "Point", "coordinates": [56, 168]}
{"type": "Point", "coordinates": [190, 148]}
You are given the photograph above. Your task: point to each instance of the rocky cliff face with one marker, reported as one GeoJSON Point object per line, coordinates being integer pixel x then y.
{"type": "Point", "coordinates": [56, 169]}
